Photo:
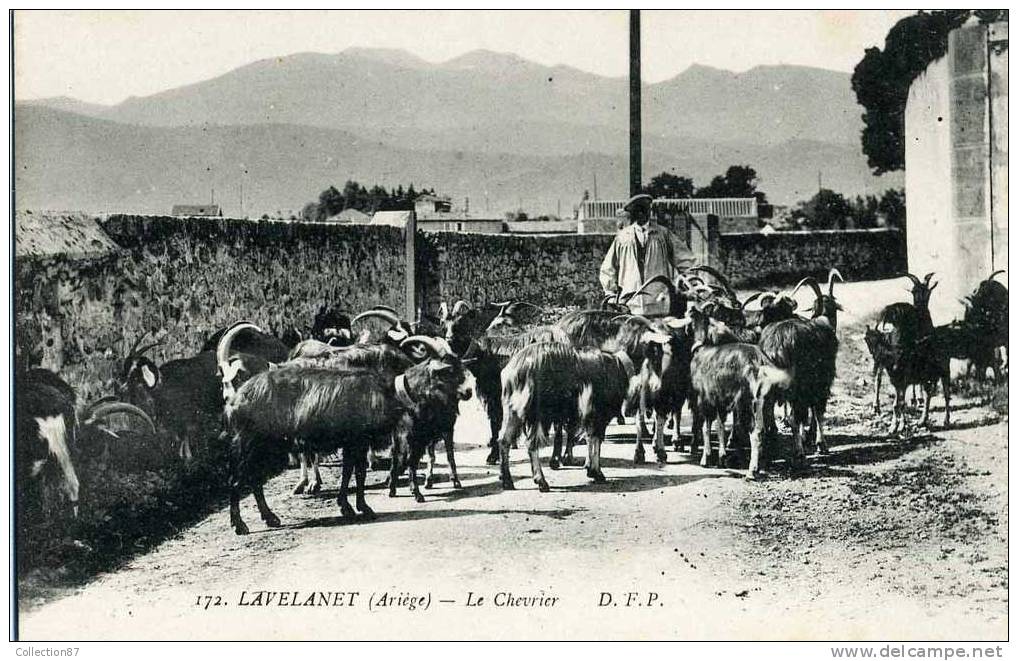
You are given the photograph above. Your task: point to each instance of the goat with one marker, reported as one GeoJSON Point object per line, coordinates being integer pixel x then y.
{"type": "Point", "coordinates": [986, 313]}
{"type": "Point", "coordinates": [551, 383]}
{"type": "Point", "coordinates": [467, 334]}
{"type": "Point", "coordinates": [328, 409]}
{"type": "Point", "coordinates": [807, 349]}
{"type": "Point", "coordinates": [662, 385]}
{"type": "Point", "coordinates": [734, 378]}
{"type": "Point", "coordinates": [47, 429]}
{"type": "Point", "coordinates": [391, 362]}
{"type": "Point", "coordinates": [184, 396]}
{"type": "Point", "coordinates": [914, 353]}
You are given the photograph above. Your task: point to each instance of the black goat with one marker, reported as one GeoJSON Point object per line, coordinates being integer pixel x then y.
{"type": "Point", "coordinates": [47, 430]}
{"type": "Point", "coordinates": [915, 354]}
{"type": "Point", "coordinates": [807, 349]}
{"type": "Point", "coordinates": [986, 314]}
{"type": "Point", "coordinates": [183, 396]}
{"type": "Point", "coordinates": [432, 425]}
{"type": "Point", "coordinates": [328, 409]}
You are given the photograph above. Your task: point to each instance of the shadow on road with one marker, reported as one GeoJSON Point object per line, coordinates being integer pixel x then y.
{"type": "Point", "coordinates": [423, 513]}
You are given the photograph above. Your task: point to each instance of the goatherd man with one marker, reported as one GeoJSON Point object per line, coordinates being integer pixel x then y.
{"type": "Point", "coordinates": [640, 251]}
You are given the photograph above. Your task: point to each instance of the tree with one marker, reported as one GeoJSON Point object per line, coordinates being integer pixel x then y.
{"type": "Point", "coordinates": [667, 185]}
{"type": "Point", "coordinates": [864, 211]}
{"type": "Point", "coordinates": [882, 78]}
{"type": "Point", "coordinates": [738, 181]}
{"type": "Point", "coordinates": [330, 202]}
{"type": "Point", "coordinates": [825, 210]}
{"type": "Point", "coordinates": [892, 205]}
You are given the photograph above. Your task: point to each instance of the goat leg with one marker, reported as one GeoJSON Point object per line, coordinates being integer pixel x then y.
{"type": "Point", "coordinates": [429, 481]}
{"type": "Point", "coordinates": [723, 440]}
{"type": "Point", "coordinates": [878, 373]}
{"type": "Point", "coordinates": [818, 419]}
{"type": "Point", "coordinates": [707, 422]}
{"type": "Point", "coordinates": [316, 482]}
{"type": "Point", "coordinates": [495, 422]}
{"type": "Point", "coordinates": [659, 438]}
{"type": "Point", "coordinates": [450, 456]}
{"type": "Point", "coordinates": [396, 467]}
{"type": "Point", "coordinates": [238, 524]}
{"type": "Point", "coordinates": [303, 481]}
{"type": "Point", "coordinates": [677, 417]}
{"type": "Point", "coordinates": [928, 391]}
{"type": "Point", "coordinates": [344, 486]}
{"type": "Point", "coordinates": [360, 473]}
{"type": "Point", "coordinates": [415, 458]}
{"type": "Point", "coordinates": [945, 382]}
{"type": "Point", "coordinates": [639, 456]}
{"type": "Point", "coordinates": [594, 457]}
{"type": "Point", "coordinates": [798, 431]}
{"type": "Point", "coordinates": [556, 449]}
{"type": "Point", "coordinates": [270, 519]}
{"type": "Point", "coordinates": [538, 437]}
{"type": "Point", "coordinates": [571, 435]}
{"type": "Point", "coordinates": [510, 428]}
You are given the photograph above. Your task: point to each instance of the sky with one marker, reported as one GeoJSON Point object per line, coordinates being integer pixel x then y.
{"type": "Point", "coordinates": [107, 56]}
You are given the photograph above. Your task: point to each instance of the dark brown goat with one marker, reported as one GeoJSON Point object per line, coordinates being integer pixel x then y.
{"type": "Point", "coordinates": [807, 349]}
{"type": "Point", "coordinates": [329, 409]}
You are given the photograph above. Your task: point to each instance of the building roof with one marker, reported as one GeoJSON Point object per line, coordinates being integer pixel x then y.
{"type": "Point", "coordinates": [196, 210]}
{"type": "Point", "coordinates": [349, 216]}
{"type": "Point", "coordinates": [72, 235]}
{"type": "Point", "coordinates": [391, 218]}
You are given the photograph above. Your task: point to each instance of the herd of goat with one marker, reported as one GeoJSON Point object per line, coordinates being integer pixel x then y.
{"type": "Point", "coordinates": [392, 384]}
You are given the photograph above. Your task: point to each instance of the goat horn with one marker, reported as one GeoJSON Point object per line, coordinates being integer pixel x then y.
{"type": "Point", "coordinates": [995, 273]}
{"type": "Point", "coordinates": [830, 280]}
{"type": "Point", "coordinates": [717, 276]}
{"type": "Point", "coordinates": [223, 348]}
{"type": "Point", "coordinates": [643, 321]}
{"type": "Point", "coordinates": [529, 305]}
{"type": "Point", "coordinates": [388, 315]}
{"type": "Point", "coordinates": [104, 409]}
{"type": "Point", "coordinates": [657, 278]}
{"type": "Point", "coordinates": [812, 283]}
{"type": "Point", "coordinates": [752, 297]}
{"type": "Point", "coordinates": [151, 345]}
{"type": "Point", "coordinates": [134, 347]}
{"type": "Point", "coordinates": [915, 280]}
{"type": "Point", "coordinates": [459, 307]}
{"type": "Point", "coordinates": [383, 307]}
{"type": "Point", "coordinates": [435, 348]}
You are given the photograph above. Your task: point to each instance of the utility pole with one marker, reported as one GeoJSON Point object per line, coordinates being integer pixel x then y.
{"type": "Point", "coordinates": [635, 137]}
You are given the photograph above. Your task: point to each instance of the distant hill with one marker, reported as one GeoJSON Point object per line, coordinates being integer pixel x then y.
{"type": "Point", "coordinates": [383, 88]}
{"type": "Point", "coordinates": [70, 161]}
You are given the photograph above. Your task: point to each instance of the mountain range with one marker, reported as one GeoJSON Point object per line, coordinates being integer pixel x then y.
{"type": "Point", "coordinates": [493, 127]}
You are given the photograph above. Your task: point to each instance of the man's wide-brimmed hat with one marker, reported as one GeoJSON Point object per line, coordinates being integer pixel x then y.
{"type": "Point", "coordinates": [640, 200]}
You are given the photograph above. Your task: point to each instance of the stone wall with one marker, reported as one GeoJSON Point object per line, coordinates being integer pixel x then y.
{"type": "Point", "coordinates": [548, 270]}
{"type": "Point", "coordinates": [184, 278]}
{"type": "Point", "coordinates": [755, 258]}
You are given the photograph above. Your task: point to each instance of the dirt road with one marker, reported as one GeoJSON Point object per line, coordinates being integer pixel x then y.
{"type": "Point", "coordinates": [885, 538]}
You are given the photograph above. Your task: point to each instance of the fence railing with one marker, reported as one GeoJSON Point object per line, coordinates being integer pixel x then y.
{"type": "Point", "coordinates": [724, 207]}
